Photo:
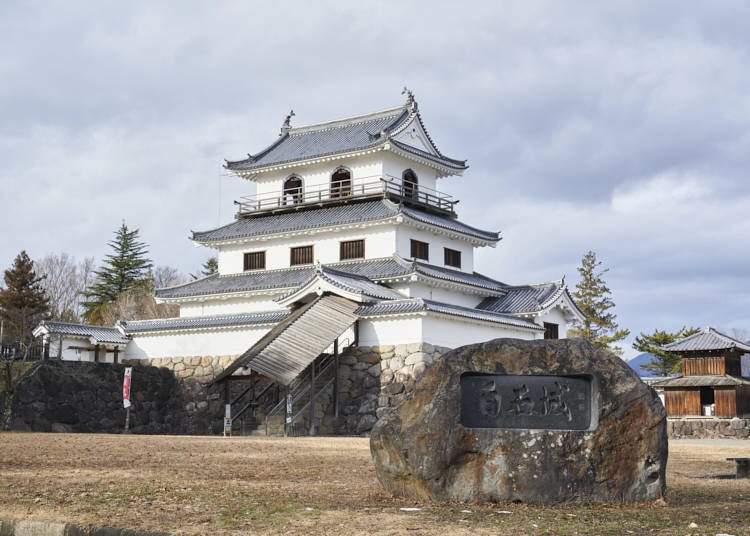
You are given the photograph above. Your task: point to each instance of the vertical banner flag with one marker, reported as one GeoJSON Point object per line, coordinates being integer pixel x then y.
{"type": "Point", "coordinates": [126, 387]}
{"type": "Point", "coordinates": [228, 420]}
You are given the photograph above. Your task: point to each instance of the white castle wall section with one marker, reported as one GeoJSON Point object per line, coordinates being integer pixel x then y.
{"type": "Point", "coordinates": [394, 166]}
{"type": "Point", "coordinates": [198, 343]}
{"type": "Point", "coordinates": [228, 306]}
{"type": "Point", "coordinates": [405, 233]}
{"type": "Point", "coordinates": [554, 316]}
{"type": "Point", "coordinates": [420, 290]}
{"type": "Point", "coordinates": [379, 242]}
{"type": "Point", "coordinates": [398, 330]}
{"type": "Point", "coordinates": [367, 168]}
{"type": "Point", "coordinates": [441, 331]}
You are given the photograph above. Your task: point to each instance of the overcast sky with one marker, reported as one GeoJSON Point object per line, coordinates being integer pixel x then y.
{"type": "Point", "coordinates": [616, 127]}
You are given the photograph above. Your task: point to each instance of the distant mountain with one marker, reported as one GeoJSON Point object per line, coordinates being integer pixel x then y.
{"type": "Point", "coordinates": [642, 359]}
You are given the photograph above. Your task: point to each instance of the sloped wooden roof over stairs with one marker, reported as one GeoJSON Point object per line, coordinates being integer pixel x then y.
{"type": "Point", "coordinates": [285, 351]}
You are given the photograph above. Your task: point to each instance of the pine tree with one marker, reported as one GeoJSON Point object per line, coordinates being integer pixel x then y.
{"type": "Point", "coordinates": [210, 267]}
{"type": "Point", "coordinates": [593, 298]}
{"type": "Point", "coordinates": [23, 301]}
{"type": "Point", "coordinates": [125, 269]}
{"type": "Point", "coordinates": [663, 363]}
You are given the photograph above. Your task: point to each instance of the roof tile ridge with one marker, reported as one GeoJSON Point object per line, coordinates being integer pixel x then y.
{"type": "Point", "coordinates": [179, 285]}
{"type": "Point", "coordinates": [409, 210]}
{"type": "Point", "coordinates": [253, 158]}
{"type": "Point", "coordinates": [347, 121]}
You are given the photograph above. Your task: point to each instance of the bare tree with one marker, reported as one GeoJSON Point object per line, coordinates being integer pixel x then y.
{"type": "Point", "coordinates": [167, 276]}
{"type": "Point", "coordinates": [65, 279]}
{"type": "Point", "coordinates": [137, 304]}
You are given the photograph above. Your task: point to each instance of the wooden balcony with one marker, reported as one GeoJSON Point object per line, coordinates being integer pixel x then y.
{"type": "Point", "coordinates": [346, 191]}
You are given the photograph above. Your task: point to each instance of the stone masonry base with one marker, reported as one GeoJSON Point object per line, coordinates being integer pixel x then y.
{"type": "Point", "coordinates": [707, 428]}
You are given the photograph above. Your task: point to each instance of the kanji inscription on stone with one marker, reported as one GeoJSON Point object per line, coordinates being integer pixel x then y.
{"type": "Point", "coordinates": [507, 401]}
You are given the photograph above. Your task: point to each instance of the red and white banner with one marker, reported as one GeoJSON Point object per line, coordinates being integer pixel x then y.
{"type": "Point", "coordinates": [126, 387]}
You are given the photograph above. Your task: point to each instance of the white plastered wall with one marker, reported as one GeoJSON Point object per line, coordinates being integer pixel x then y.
{"type": "Point", "coordinates": [555, 316]}
{"type": "Point", "coordinates": [385, 331]}
{"type": "Point", "coordinates": [228, 306]}
{"type": "Point", "coordinates": [195, 343]}
{"type": "Point", "coordinates": [379, 242]}
{"type": "Point", "coordinates": [394, 166]}
{"type": "Point", "coordinates": [437, 242]}
{"type": "Point", "coordinates": [366, 168]}
{"type": "Point", "coordinates": [420, 290]}
{"type": "Point", "coordinates": [443, 331]}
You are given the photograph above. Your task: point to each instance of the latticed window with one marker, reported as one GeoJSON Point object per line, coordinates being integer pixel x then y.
{"type": "Point", "coordinates": [352, 249]}
{"type": "Point", "coordinates": [420, 250]}
{"type": "Point", "coordinates": [551, 331]}
{"type": "Point", "coordinates": [341, 183]}
{"type": "Point", "coordinates": [301, 255]}
{"type": "Point", "coordinates": [452, 257]}
{"type": "Point", "coordinates": [255, 260]}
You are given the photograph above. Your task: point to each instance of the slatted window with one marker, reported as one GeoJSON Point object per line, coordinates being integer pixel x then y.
{"type": "Point", "coordinates": [352, 249]}
{"type": "Point", "coordinates": [301, 255]}
{"type": "Point", "coordinates": [420, 250]}
{"type": "Point", "coordinates": [255, 260]}
{"type": "Point", "coordinates": [551, 331]}
{"type": "Point", "coordinates": [452, 257]}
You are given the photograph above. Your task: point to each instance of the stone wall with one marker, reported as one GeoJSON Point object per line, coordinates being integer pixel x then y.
{"type": "Point", "coordinates": [707, 428]}
{"type": "Point", "coordinates": [374, 379]}
{"type": "Point", "coordinates": [202, 403]}
{"type": "Point", "coordinates": [70, 396]}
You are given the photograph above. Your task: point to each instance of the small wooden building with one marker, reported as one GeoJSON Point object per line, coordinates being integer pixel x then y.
{"type": "Point", "coordinates": [711, 383]}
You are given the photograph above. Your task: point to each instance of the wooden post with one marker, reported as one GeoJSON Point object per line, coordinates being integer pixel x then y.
{"type": "Point", "coordinates": [115, 356]}
{"type": "Point", "coordinates": [96, 357]}
{"type": "Point", "coordinates": [312, 399]}
{"type": "Point", "coordinates": [336, 378]}
{"type": "Point", "coordinates": [127, 419]}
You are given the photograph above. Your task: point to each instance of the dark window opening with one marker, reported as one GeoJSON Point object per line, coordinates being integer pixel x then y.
{"type": "Point", "coordinates": [292, 191]}
{"type": "Point", "coordinates": [452, 257]}
{"type": "Point", "coordinates": [551, 331]}
{"type": "Point", "coordinates": [255, 260]}
{"type": "Point", "coordinates": [301, 255]}
{"type": "Point", "coordinates": [410, 183]}
{"type": "Point", "coordinates": [420, 250]}
{"type": "Point", "coordinates": [707, 396]}
{"type": "Point", "coordinates": [341, 183]}
{"type": "Point", "coordinates": [352, 249]}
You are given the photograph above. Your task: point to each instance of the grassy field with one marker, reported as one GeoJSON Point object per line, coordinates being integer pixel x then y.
{"type": "Point", "coordinates": [214, 485]}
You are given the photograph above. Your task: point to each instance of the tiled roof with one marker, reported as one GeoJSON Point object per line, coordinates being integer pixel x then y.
{"type": "Point", "coordinates": [381, 209]}
{"type": "Point", "coordinates": [414, 305]}
{"type": "Point", "coordinates": [450, 224]}
{"type": "Point", "coordinates": [338, 137]}
{"type": "Point", "coordinates": [100, 334]}
{"type": "Point", "coordinates": [708, 339]}
{"type": "Point", "coordinates": [702, 381]}
{"type": "Point", "coordinates": [244, 282]}
{"type": "Point", "coordinates": [358, 284]}
{"type": "Point", "coordinates": [382, 269]}
{"type": "Point", "coordinates": [198, 322]}
{"type": "Point", "coordinates": [523, 299]}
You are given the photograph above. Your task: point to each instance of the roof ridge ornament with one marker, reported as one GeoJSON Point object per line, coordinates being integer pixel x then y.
{"type": "Point", "coordinates": [410, 100]}
{"type": "Point", "coordinates": [287, 126]}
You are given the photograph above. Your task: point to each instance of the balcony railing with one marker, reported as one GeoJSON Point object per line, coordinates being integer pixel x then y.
{"type": "Point", "coordinates": [341, 191]}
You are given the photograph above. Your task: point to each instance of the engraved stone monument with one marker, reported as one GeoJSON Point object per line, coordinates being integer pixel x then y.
{"type": "Point", "coordinates": [536, 421]}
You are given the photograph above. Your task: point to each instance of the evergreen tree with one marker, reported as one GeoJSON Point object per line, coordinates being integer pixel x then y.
{"type": "Point", "coordinates": [593, 298]}
{"type": "Point", "coordinates": [23, 301]}
{"type": "Point", "coordinates": [210, 267]}
{"type": "Point", "coordinates": [126, 268]}
{"type": "Point", "coordinates": [663, 363]}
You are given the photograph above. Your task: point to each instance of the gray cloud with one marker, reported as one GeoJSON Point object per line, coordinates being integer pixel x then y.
{"type": "Point", "coordinates": [619, 127]}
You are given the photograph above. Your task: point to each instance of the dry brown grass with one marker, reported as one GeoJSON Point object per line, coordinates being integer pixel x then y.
{"type": "Point", "coordinates": [214, 485]}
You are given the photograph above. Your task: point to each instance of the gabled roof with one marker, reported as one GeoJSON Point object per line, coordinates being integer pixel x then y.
{"type": "Point", "coordinates": [342, 137]}
{"type": "Point", "coordinates": [354, 287]}
{"type": "Point", "coordinates": [708, 339]}
{"type": "Point", "coordinates": [416, 305]}
{"type": "Point", "coordinates": [96, 334]}
{"type": "Point", "coordinates": [386, 269]}
{"type": "Point", "coordinates": [331, 216]}
{"type": "Point", "coordinates": [203, 322]}
{"type": "Point", "coordinates": [702, 381]}
{"type": "Point", "coordinates": [524, 298]}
